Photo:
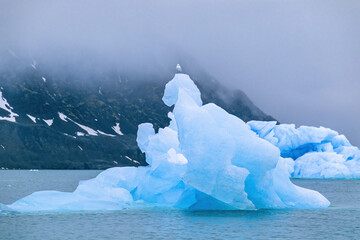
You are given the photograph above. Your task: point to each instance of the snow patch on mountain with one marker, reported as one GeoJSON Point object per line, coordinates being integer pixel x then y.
{"type": "Point", "coordinates": [31, 118]}
{"type": "Point", "coordinates": [80, 134]}
{"type": "Point", "coordinates": [49, 122]}
{"type": "Point", "coordinates": [89, 130]}
{"type": "Point", "coordinates": [116, 129]}
{"type": "Point", "coordinates": [132, 160]}
{"type": "Point", "coordinates": [105, 134]}
{"type": "Point", "coordinates": [62, 116]}
{"type": "Point", "coordinates": [6, 106]}
{"type": "Point", "coordinates": [68, 135]}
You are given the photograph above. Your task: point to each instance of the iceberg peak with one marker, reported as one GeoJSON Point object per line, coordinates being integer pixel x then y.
{"type": "Point", "coordinates": [181, 85]}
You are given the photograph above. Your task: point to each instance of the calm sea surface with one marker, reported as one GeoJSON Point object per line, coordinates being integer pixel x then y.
{"type": "Point", "coordinates": [340, 221]}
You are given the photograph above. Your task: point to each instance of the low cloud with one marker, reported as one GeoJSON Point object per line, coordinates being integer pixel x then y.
{"type": "Point", "coordinates": [297, 60]}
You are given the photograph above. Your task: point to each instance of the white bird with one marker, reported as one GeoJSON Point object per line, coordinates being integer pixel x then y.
{"type": "Point", "coordinates": [178, 68]}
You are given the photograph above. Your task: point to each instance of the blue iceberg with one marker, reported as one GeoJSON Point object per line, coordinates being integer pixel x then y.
{"type": "Point", "coordinates": [317, 152]}
{"type": "Point", "coordinates": [206, 159]}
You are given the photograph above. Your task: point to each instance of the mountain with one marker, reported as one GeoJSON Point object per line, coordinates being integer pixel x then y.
{"type": "Point", "coordinates": [63, 120]}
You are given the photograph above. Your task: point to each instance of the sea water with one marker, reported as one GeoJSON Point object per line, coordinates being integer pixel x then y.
{"type": "Point", "coordinates": [340, 221]}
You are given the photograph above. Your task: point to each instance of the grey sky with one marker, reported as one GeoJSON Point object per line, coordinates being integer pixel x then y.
{"type": "Point", "coordinates": [297, 60]}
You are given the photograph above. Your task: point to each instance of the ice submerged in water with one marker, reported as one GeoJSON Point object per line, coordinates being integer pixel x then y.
{"type": "Point", "coordinates": [206, 159]}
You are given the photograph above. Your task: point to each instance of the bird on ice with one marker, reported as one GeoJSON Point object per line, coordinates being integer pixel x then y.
{"type": "Point", "coordinates": [178, 68]}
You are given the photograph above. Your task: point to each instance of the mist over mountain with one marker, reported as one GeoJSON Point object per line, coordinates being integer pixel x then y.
{"type": "Point", "coordinates": [297, 60]}
{"type": "Point", "coordinates": [60, 119]}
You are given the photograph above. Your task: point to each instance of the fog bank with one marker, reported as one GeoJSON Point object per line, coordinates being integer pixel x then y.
{"type": "Point", "coordinates": [297, 60]}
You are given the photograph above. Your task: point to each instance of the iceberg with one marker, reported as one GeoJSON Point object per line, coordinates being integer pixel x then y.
{"type": "Point", "coordinates": [316, 152]}
{"type": "Point", "coordinates": [206, 159]}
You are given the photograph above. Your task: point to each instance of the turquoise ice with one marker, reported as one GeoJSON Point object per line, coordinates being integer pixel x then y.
{"type": "Point", "coordinates": [318, 152]}
{"type": "Point", "coordinates": [206, 159]}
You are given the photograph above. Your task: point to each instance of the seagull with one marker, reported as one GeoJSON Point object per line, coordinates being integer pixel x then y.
{"type": "Point", "coordinates": [178, 68]}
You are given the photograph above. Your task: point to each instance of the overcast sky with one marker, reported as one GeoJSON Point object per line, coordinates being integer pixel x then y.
{"type": "Point", "coordinates": [299, 61]}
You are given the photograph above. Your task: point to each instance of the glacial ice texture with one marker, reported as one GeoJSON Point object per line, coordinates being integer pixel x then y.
{"type": "Point", "coordinates": [317, 152]}
{"type": "Point", "coordinates": [206, 159]}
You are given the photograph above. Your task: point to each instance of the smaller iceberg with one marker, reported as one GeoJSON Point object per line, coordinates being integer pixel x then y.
{"type": "Point", "coordinates": [206, 159]}
{"type": "Point", "coordinates": [317, 152]}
